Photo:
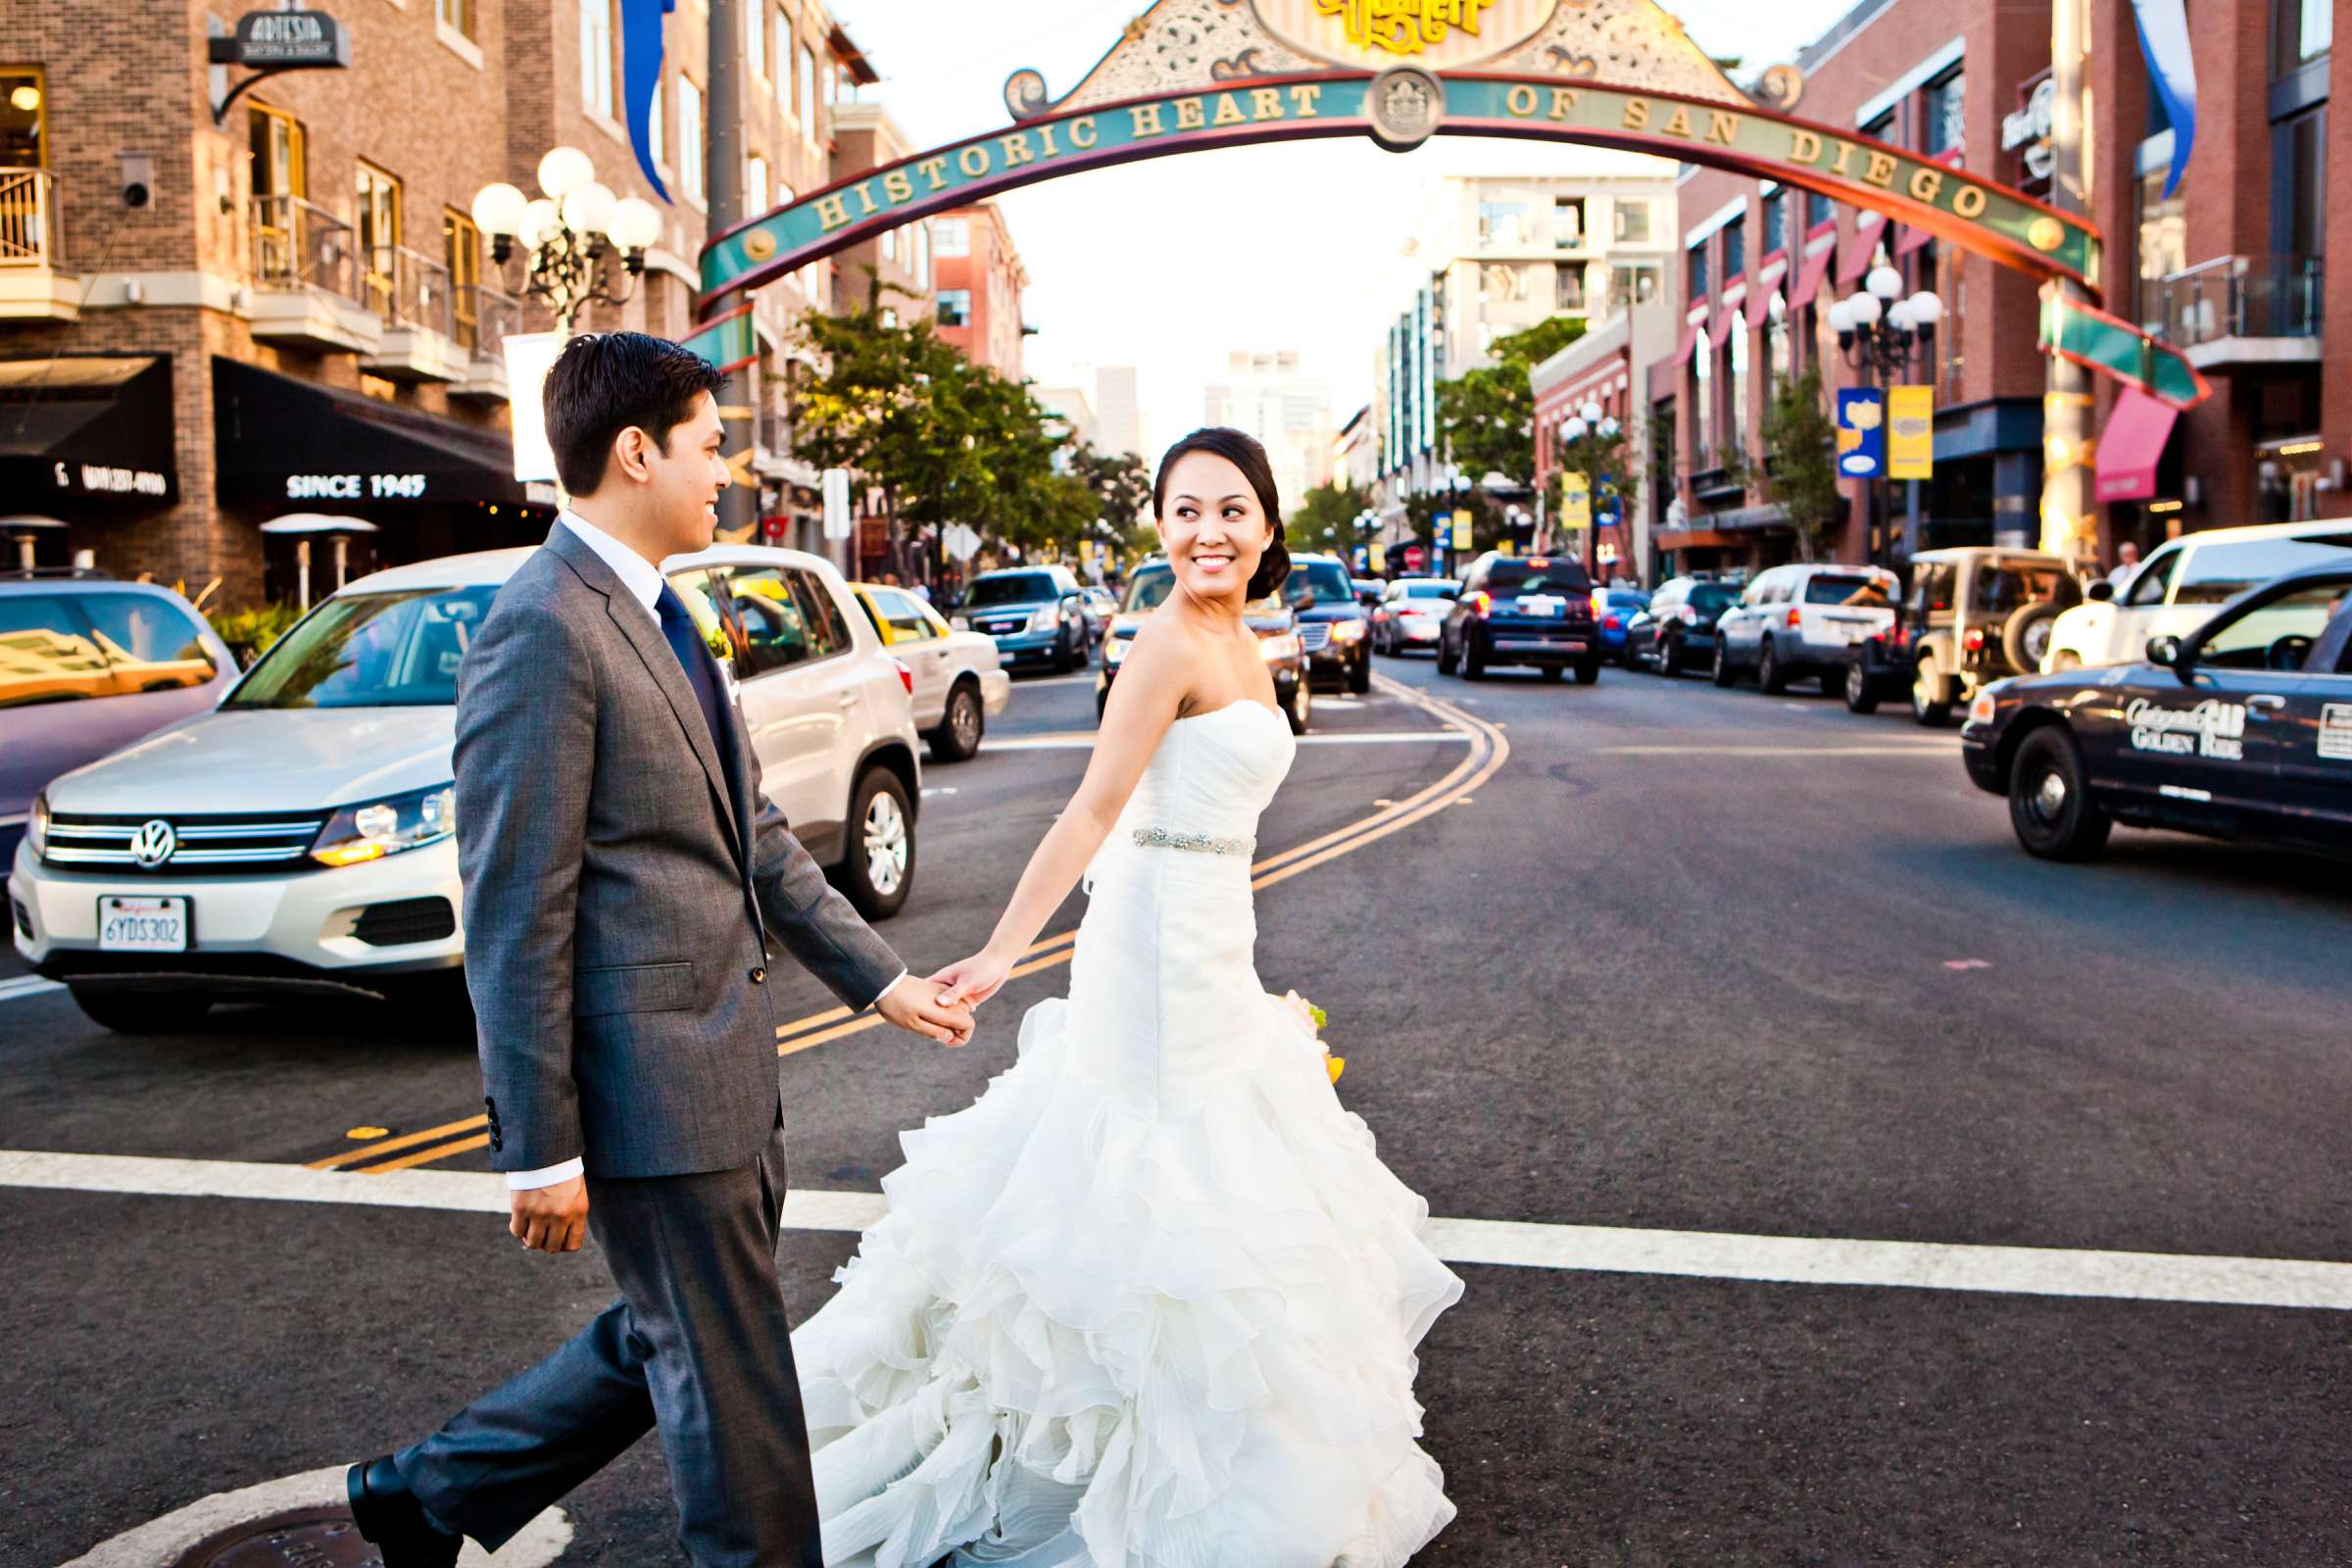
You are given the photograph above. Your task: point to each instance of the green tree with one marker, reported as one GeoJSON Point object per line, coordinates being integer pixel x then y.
{"type": "Point", "coordinates": [1486, 417]}
{"type": "Point", "coordinates": [1324, 518]}
{"type": "Point", "coordinates": [1799, 471]}
{"type": "Point", "coordinates": [1607, 463]}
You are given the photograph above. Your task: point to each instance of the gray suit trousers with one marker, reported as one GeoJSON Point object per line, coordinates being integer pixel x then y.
{"type": "Point", "coordinates": [696, 1347]}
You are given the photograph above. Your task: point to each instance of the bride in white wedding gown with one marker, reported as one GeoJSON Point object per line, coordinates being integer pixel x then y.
{"type": "Point", "coordinates": [1151, 1302]}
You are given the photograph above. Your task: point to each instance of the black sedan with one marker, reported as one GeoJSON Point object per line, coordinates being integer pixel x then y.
{"type": "Point", "coordinates": [2241, 730]}
{"type": "Point", "coordinates": [1676, 632]}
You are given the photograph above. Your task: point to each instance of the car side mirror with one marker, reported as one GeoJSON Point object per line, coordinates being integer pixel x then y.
{"type": "Point", "coordinates": [2099, 592]}
{"type": "Point", "coordinates": [2169, 651]}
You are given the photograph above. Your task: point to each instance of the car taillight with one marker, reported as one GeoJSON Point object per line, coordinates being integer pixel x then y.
{"type": "Point", "coordinates": [1688, 615]}
{"type": "Point", "coordinates": [1794, 619]}
{"type": "Point", "coordinates": [906, 675]}
{"type": "Point", "coordinates": [1612, 622]}
{"type": "Point", "coordinates": [1479, 604]}
{"type": "Point", "coordinates": [1975, 640]}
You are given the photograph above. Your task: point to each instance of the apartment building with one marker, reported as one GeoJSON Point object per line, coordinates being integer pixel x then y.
{"type": "Point", "coordinates": [977, 279]}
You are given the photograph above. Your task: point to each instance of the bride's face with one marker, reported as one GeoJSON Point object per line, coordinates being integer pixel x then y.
{"type": "Point", "coordinates": [1212, 525]}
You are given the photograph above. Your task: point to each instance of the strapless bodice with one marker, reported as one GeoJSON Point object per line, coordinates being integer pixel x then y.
{"type": "Point", "coordinates": [1213, 776]}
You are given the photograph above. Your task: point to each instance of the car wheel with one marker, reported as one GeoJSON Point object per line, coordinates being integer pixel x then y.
{"type": "Point", "coordinates": [1359, 679]}
{"type": "Point", "coordinates": [2027, 636]}
{"type": "Point", "coordinates": [1588, 672]}
{"type": "Point", "coordinates": [1670, 657]}
{"type": "Point", "coordinates": [1770, 676]}
{"type": "Point", "coordinates": [1474, 664]}
{"type": "Point", "coordinates": [1302, 705]}
{"type": "Point", "coordinates": [140, 1013]}
{"type": "Point", "coordinates": [1723, 664]}
{"type": "Point", "coordinates": [1861, 694]}
{"type": "Point", "coordinates": [1064, 664]}
{"type": "Point", "coordinates": [1447, 662]}
{"type": "Point", "coordinates": [880, 867]}
{"type": "Point", "coordinates": [1930, 697]}
{"type": "Point", "coordinates": [958, 738]}
{"type": "Point", "coordinates": [2050, 804]}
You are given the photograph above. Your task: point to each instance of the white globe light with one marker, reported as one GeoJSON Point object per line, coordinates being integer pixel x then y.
{"type": "Point", "coordinates": [498, 208]}
{"type": "Point", "coordinates": [1574, 429]}
{"type": "Point", "coordinates": [540, 220]}
{"type": "Point", "coordinates": [635, 223]}
{"type": "Point", "coordinates": [1884, 282]}
{"type": "Point", "coordinates": [1926, 309]}
{"type": "Point", "coordinates": [1590, 412]}
{"type": "Point", "coordinates": [1841, 320]}
{"type": "Point", "coordinates": [563, 171]}
{"type": "Point", "coordinates": [588, 209]}
{"type": "Point", "coordinates": [1864, 310]}
{"type": "Point", "coordinates": [1898, 316]}
{"type": "Point", "coordinates": [1609, 427]}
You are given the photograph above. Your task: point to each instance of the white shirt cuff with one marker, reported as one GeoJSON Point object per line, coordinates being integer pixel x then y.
{"type": "Point", "coordinates": [524, 1181]}
{"type": "Point", "coordinates": [887, 990]}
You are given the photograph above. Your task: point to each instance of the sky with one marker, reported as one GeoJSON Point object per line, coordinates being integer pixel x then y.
{"type": "Point", "coordinates": [1170, 263]}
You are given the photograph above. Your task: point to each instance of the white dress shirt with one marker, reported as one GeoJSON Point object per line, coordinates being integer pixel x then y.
{"type": "Point", "coordinates": [643, 579]}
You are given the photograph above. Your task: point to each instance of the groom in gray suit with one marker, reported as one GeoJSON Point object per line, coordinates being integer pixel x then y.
{"type": "Point", "coordinates": [625, 884]}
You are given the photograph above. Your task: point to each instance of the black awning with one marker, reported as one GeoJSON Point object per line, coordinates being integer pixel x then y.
{"type": "Point", "coordinates": [82, 428]}
{"type": "Point", "coordinates": [283, 440]}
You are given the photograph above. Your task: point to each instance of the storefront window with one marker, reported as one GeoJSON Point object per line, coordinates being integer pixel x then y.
{"type": "Point", "coordinates": [1777, 350]}
{"type": "Point", "coordinates": [24, 118]}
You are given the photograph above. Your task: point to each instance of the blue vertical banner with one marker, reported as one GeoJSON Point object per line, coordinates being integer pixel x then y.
{"type": "Point", "coordinates": [641, 76]}
{"type": "Point", "coordinates": [1861, 432]}
{"type": "Point", "coordinates": [2163, 28]}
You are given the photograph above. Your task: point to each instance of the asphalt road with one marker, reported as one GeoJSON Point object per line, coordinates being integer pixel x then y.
{"type": "Point", "coordinates": [1689, 961]}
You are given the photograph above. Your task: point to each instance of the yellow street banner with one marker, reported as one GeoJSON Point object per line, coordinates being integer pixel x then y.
{"type": "Point", "coordinates": [1380, 559]}
{"type": "Point", "coordinates": [1910, 433]}
{"type": "Point", "coordinates": [1462, 531]}
{"type": "Point", "coordinates": [1576, 502]}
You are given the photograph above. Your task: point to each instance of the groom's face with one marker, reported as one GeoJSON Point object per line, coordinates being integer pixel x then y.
{"type": "Point", "coordinates": [684, 477]}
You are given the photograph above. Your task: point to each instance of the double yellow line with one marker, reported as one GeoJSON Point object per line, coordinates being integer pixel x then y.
{"type": "Point", "coordinates": [1488, 751]}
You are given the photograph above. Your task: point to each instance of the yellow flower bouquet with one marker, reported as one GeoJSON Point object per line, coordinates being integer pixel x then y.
{"type": "Point", "coordinates": [1316, 1018]}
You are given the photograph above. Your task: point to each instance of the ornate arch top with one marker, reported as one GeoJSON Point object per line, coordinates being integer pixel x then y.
{"type": "Point", "coordinates": [1180, 45]}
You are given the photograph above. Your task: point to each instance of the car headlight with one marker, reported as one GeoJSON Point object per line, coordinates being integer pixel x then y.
{"type": "Point", "coordinates": [36, 825]}
{"type": "Point", "coordinates": [1114, 652]}
{"type": "Point", "coordinates": [1983, 710]}
{"type": "Point", "coordinates": [1347, 631]}
{"type": "Point", "coordinates": [1046, 619]}
{"type": "Point", "coordinates": [377, 828]}
{"type": "Point", "coordinates": [1276, 648]}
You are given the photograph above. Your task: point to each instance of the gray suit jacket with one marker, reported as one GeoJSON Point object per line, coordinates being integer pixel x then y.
{"type": "Point", "coordinates": [617, 924]}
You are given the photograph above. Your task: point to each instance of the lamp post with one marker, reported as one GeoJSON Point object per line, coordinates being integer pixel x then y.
{"type": "Point", "coordinates": [1879, 330]}
{"type": "Point", "coordinates": [1588, 419]}
{"type": "Point", "coordinates": [581, 244]}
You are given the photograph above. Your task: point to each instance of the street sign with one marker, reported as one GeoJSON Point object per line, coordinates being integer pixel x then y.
{"type": "Point", "coordinates": [1462, 531]}
{"type": "Point", "coordinates": [773, 529]}
{"type": "Point", "coordinates": [1380, 559]}
{"type": "Point", "coordinates": [284, 40]}
{"type": "Point", "coordinates": [1576, 502]}
{"type": "Point", "coordinates": [1414, 559]}
{"type": "Point", "coordinates": [1910, 433]}
{"type": "Point", "coordinates": [1861, 432]}
{"type": "Point", "coordinates": [1361, 556]}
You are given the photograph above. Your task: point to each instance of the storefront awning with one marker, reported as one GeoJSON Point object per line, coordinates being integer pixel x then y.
{"type": "Point", "coordinates": [281, 439]}
{"type": "Point", "coordinates": [2130, 445]}
{"type": "Point", "coordinates": [1681, 348]}
{"type": "Point", "coordinates": [1855, 251]}
{"type": "Point", "coordinates": [1809, 273]}
{"type": "Point", "coordinates": [83, 429]}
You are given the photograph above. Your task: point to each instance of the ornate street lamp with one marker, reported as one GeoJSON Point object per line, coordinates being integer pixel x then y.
{"type": "Point", "coordinates": [582, 244]}
{"type": "Point", "coordinates": [1878, 331]}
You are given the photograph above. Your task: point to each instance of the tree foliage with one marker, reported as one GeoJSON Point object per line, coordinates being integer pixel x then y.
{"type": "Point", "coordinates": [1800, 470]}
{"type": "Point", "coordinates": [1325, 520]}
{"type": "Point", "coordinates": [1486, 417]}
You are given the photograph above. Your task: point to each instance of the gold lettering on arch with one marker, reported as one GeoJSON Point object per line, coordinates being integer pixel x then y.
{"type": "Point", "coordinates": [1082, 132]}
{"type": "Point", "coordinates": [1722, 128]}
{"type": "Point", "coordinates": [1402, 26]}
{"type": "Point", "coordinates": [1188, 115]}
{"type": "Point", "coordinates": [1926, 185]}
{"type": "Point", "coordinates": [1968, 201]}
{"type": "Point", "coordinates": [1229, 113]}
{"type": "Point", "coordinates": [1805, 147]}
{"type": "Point", "coordinates": [1679, 124]}
{"type": "Point", "coordinates": [1520, 100]}
{"type": "Point", "coordinates": [1637, 114]}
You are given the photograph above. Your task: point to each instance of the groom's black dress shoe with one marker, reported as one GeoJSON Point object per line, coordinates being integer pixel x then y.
{"type": "Point", "coordinates": [389, 1515]}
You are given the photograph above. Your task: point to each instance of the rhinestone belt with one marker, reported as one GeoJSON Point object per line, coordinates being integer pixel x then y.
{"type": "Point", "coordinates": [1161, 838]}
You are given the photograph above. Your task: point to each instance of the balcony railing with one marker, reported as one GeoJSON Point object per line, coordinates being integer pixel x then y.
{"type": "Point", "coordinates": [409, 290]}
{"type": "Point", "coordinates": [2240, 297]}
{"type": "Point", "coordinates": [297, 245]}
{"type": "Point", "coordinates": [483, 316]}
{"type": "Point", "coordinates": [28, 232]}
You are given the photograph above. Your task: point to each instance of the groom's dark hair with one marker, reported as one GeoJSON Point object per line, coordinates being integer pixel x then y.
{"type": "Point", "coordinates": [602, 383]}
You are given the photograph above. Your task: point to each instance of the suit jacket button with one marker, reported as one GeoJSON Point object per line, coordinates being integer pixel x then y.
{"type": "Point", "coordinates": [759, 976]}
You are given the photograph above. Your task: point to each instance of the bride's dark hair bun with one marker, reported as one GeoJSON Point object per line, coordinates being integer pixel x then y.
{"type": "Point", "coordinates": [1241, 450]}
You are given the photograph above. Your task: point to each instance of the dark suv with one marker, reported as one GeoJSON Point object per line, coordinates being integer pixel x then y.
{"type": "Point", "coordinates": [1334, 628]}
{"type": "Point", "coordinates": [1523, 609]}
{"type": "Point", "coordinates": [1035, 615]}
{"type": "Point", "coordinates": [1676, 632]}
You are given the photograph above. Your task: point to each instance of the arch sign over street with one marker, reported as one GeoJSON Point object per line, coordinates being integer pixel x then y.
{"type": "Point", "coordinates": [1192, 74]}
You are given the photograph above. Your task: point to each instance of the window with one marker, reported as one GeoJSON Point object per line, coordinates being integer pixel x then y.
{"type": "Point", "coordinates": [2220, 572]}
{"type": "Point", "coordinates": [1567, 221]}
{"type": "Point", "coordinates": [1632, 285]}
{"type": "Point", "coordinates": [1631, 220]}
{"type": "Point", "coordinates": [1882, 128]}
{"type": "Point", "coordinates": [769, 619]}
{"type": "Point", "coordinates": [903, 614]}
{"type": "Point", "coordinates": [2155, 579]}
{"type": "Point", "coordinates": [1503, 223]}
{"type": "Point", "coordinates": [1778, 361]}
{"type": "Point", "coordinates": [690, 138]}
{"type": "Point", "coordinates": [1734, 249]}
{"type": "Point", "coordinates": [828, 628]}
{"type": "Point", "coordinates": [387, 650]}
{"type": "Point", "coordinates": [755, 185]}
{"type": "Point", "coordinates": [803, 98]}
{"type": "Point", "coordinates": [456, 15]}
{"type": "Point", "coordinates": [2301, 32]}
{"type": "Point", "coordinates": [1702, 401]}
{"type": "Point", "coordinates": [1503, 283]}
{"type": "Point", "coordinates": [1568, 287]}
{"type": "Point", "coordinates": [890, 244]}
{"type": "Point", "coordinates": [24, 118]}
{"type": "Point", "coordinates": [279, 182]}
{"type": "Point", "coordinates": [922, 258]}
{"type": "Point", "coordinates": [129, 643]}
{"type": "Point", "coordinates": [1943, 120]}
{"type": "Point", "coordinates": [1734, 419]}
{"type": "Point", "coordinates": [2299, 184]}
{"type": "Point", "coordinates": [1776, 222]}
{"type": "Point", "coordinates": [596, 56]}
{"type": "Point", "coordinates": [951, 236]}
{"type": "Point", "coordinates": [1819, 210]}
{"type": "Point", "coordinates": [1698, 290]}
{"type": "Point", "coordinates": [954, 307]}
{"type": "Point", "coordinates": [755, 42]}
{"type": "Point", "coordinates": [2163, 245]}
{"type": "Point", "coordinates": [657, 116]}
{"type": "Point", "coordinates": [377, 209]}
{"type": "Point", "coordinates": [462, 254]}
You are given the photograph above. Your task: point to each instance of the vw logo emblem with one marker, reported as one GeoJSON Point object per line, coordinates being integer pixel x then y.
{"type": "Point", "coordinates": [152, 844]}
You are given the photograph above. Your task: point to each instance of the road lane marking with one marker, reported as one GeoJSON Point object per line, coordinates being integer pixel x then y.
{"type": "Point", "coordinates": [1898, 749]}
{"type": "Point", "coordinates": [1507, 1243]}
{"type": "Point", "coordinates": [28, 984]}
{"type": "Point", "coordinates": [368, 1151]}
{"type": "Point", "coordinates": [462, 1146]}
{"type": "Point", "coordinates": [1083, 740]}
{"type": "Point", "coordinates": [1024, 683]}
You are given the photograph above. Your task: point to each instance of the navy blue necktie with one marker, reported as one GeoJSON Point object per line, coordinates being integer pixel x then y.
{"type": "Point", "coordinates": [694, 657]}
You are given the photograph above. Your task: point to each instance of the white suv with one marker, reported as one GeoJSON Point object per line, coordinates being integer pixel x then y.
{"type": "Point", "coordinates": [1794, 623]}
{"type": "Point", "coordinates": [2178, 588]}
{"type": "Point", "coordinates": [299, 839]}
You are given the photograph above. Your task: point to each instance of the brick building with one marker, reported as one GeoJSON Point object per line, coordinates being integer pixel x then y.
{"type": "Point", "coordinates": [305, 292]}
{"type": "Point", "coordinates": [977, 278]}
{"type": "Point", "coordinates": [1605, 368]}
{"type": "Point", "coordinates": [2233, 269]}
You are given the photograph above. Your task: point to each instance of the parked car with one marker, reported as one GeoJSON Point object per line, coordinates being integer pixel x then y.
{"type": "Point", "coordinates": [1803, 621]}
{"type": "Point", "coordinates": [2183, 583]}
{"type": "Point", "coordinates": [1271, 617]}
{"type": "Point", "coordinates": [1101, 604]}
{"type": "Point", "coordinates": [1335, 630]}
{"type": "Point", "coordinates": [300, 839]}
{"type": "Point", "coordinates": [1972, 616]}
{"type": "Point", "coordinates": [1522, 610]}
{"type": "Point", "coordinates": [1410, 613]}
{"type": "Point", "coordinates": [88, 664]}
{"type": "Point", "coordinates": [1367, 590]}
{"type": "Point", "coordinates": [1615, 609]}
{"type": "Point", "coordinates": [1676, 631]}
{"type": "Point", "coordinates": [1035, 613]}
{"type": "Point", "coordinates": [2240, 729]}
{"type": "Point", "coordinates": [959, 682]}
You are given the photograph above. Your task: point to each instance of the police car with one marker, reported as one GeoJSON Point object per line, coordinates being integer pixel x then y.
{"type": "Point", "coordinates": [2242, 730]}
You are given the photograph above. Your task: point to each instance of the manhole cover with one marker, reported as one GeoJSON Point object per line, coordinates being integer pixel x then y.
{"type": "Point", "coordinates": [299, 1537]}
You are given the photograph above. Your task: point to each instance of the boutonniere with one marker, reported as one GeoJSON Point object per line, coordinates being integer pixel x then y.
{"type": "Point", "coordinates": [1314, 1018]}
